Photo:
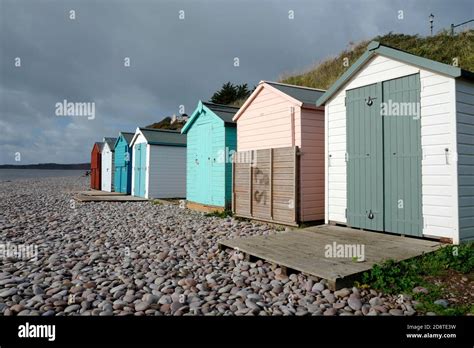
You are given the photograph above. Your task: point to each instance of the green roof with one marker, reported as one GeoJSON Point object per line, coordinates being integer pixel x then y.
{"type": "Point", "coordinates": [224, 112]}
{"type": "Point", "coordinates": [163, 137]}
{"type": "Point", "coordinates": [306, 95]}
{"type": "Point", "coordinates": [376, 48]}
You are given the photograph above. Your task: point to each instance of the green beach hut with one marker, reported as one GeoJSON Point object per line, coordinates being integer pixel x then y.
{"type": "Point", "coordinates": [212, 138]}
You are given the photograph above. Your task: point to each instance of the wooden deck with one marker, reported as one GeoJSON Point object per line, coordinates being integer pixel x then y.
{"type": "Point", "coordinates": [204, 207]}
{"type": "Point", "coordinates": [104, 196]}
{"type": "Point", "coordinates": [304, 250]}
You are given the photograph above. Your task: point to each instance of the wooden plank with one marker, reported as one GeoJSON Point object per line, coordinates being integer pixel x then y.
{"type": "Point", "coordinates": [203, 207]}
{"type": "Point", "coordinates": [271, 183]}
{"type": "Point", "coordinates": [303, 250]}
{"type": "Point", "coordinates": [250, 186]}
{"type": "Point", "coordinates": [233, 185]}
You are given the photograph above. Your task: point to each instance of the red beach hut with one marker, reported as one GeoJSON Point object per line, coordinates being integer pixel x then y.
{"type": "Point", "coordinates": [96, 165]}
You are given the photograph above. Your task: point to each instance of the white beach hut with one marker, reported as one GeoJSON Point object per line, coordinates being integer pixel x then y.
{"type": "Point", "coordinates": [107, 170]}
{"type": "Point", "coordinates": [159, 163]}
{"type": "Point", "coordinates": [399, 146]}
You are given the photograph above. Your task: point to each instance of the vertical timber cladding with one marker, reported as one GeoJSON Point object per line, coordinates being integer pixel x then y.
{"type": "Point", "coordinates": [402, 156]}
{"type": "Point", "coordinates": [384, 156]}
{"type": "Point", "coordinates": [265, 184]}
{"type": "Point", "coordinates": [364, 158]}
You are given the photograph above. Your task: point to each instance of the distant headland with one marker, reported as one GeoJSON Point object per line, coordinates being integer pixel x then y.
{"type": "Point", "coordinates": [73, 166]}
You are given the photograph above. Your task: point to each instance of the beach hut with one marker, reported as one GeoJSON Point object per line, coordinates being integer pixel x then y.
{"type": "Point", "coordinates": [399, 146]}
{"type": "Point", "coordinates": [211, 140]}
{"type": "Point", "coordinates": [123, 163]}
{"type": "Point", "coordinates": [107, 170]}
{"type": "Point", "coordinates": [96, 165]}
{"type": "Point", "coordinates": [159, 163]}
{"type": "Point", "coordinates": [279, 167]}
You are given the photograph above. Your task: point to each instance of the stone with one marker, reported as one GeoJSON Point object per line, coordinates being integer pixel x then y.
{"type": "Point", "coordinates": [330, 298]}
{"type": "Point", "coordinates": [141, 306]}
{"type": "Point", "coordinates": [72, 308]}
{"type": "Point", "coordinates": [330, 311]}
{"type": "Point", "coordinates": [8, 292]}
{"type": "Point", "coordinates": [375, 301]}
{"type": "Point", "coordinates": [342, 293]}
{"type": "Point", "coordinates": [354, 302]}
{"type": "Point", "coordinates": [396, 312]}
{"type": "Point", "coordinates": [318, 287]}
{"type": "Point", "coordinates": [442, 302]}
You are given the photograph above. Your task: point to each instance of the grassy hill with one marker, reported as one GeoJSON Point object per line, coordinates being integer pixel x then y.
{"type": "Point", "coordinates": [166, 124]}
{"type": "Point", "coordinates": [441, 47]}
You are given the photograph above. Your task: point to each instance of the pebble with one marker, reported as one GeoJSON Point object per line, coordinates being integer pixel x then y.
{"type": "Point", "coordinates": [342, 293]}
{"type": "Point", "coordinates": [138, 258]}
{"type": "Point", "coordinates": [354, 302]}
{"type": "Point", "coordinates": [442, 302]}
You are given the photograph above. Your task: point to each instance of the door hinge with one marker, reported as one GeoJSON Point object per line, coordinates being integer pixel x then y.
{"type": "Point", "coordinates": [345, 213]}
{"type": "Point", "coordinates": [345, 101]}
{"type": "Point", "coordinates": [346, 157]}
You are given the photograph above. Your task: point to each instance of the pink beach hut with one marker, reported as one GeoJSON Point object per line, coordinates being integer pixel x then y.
{"type": "Point", "coordinates": [283, 130]}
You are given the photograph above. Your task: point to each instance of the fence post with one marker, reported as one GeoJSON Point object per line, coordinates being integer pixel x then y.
{"type": "Point", "coordinates": [271, 182]}
{"type": "Point", "coordinates": [251, 183]}
{"type": "Point", "coordinates": [233, 185]}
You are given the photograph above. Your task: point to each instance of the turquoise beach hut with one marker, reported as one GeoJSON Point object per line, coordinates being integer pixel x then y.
{"type": "Point", "coordinates": [123, 163]}
{"type": "Point", "coordinates": [212, 138]}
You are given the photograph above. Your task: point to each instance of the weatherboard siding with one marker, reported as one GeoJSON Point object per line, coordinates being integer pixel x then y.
{"type": "Point", "coordinates": [140, 140]}
{"type": "Point", "coordinates": [312, 165]}
{"type": "Point", "coordinates": [166, 171]}
{"type": "Point", "coordinates": [216, 193]}
{"type": "Point", "coordinates": [107, 169]}
{"type": "Point", "coordinates": [267, 123]}
{"type": "Point", "coordinates": [231, 146]}
{"type": "Point", "coordinates": [437, 128]}
{"type": "Point", "coordinates": [465, 141]}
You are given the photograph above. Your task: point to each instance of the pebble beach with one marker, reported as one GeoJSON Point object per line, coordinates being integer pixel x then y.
{"type": "Point", "coordinates": [140, 258]}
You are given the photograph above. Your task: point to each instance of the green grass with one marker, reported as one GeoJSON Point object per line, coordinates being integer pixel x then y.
{"type": "Point", "coordinates": [220, 214]}
{"type": "Point", "coordinates": [441, 47]}
{"type": "Point", "coordinates": [391, 277]}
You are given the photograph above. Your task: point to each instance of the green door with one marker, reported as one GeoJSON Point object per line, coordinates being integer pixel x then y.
{"type": "Point", "coordinates": [364, 158]}
{"type": "Point", "coordinates": [402, 156]}
{"type": "Point", "coordinates": [384, 156]}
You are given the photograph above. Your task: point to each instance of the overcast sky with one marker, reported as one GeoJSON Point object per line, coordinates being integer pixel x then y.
{"type": "Point", "coordinates": [173, 61]}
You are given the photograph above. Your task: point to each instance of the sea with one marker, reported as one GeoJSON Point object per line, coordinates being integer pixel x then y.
{"type": "Point", "coordinates": [14, 174]}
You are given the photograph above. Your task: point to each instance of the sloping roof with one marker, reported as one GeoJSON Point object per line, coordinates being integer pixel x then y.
{"type": "Point", "coordinates": [224, 112]}
{"type": "Point", "coordinates": [303, 94]}
{"type": "Point", "coordinates": [376, 48]}
{"type": "Point", "coordinates": [163, 137]}
{"type": "Point", "coordinates": [110, 142]}
{"type": "Point", "coordinates": [100, 145]}
{"type": "Point", "coordinates": [127, 136]}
